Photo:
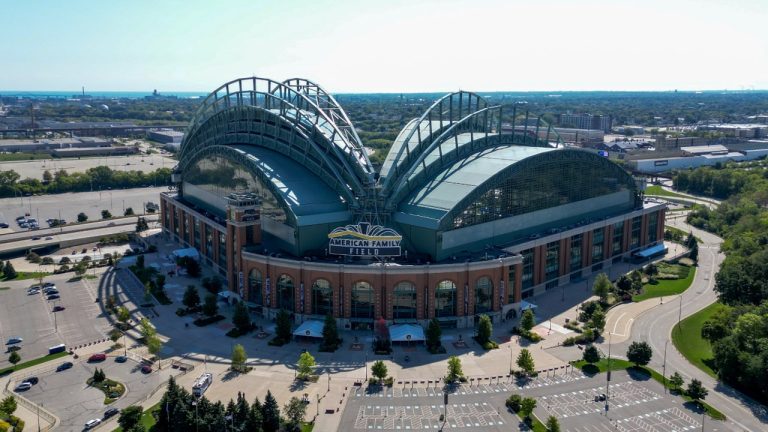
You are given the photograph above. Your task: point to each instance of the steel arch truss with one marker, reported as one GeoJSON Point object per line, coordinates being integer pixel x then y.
{"type": "Point", "coordinates": [248, 125]}
{"type": "Point", "coordinates": [528, 165]}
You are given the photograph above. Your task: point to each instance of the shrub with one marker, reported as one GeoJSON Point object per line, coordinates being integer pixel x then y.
{"type": "Point", "coordinates": [276, 341]}
{"type": "Point", "coordinates": [513, 402]}
{"type": "Point", "coordinates": [202, 322]}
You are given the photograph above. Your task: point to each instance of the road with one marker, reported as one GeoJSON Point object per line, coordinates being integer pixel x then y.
{"type": "Point", "coordinates": [88, 226]}
{"type": "Point", "coordinates": [656, 327]}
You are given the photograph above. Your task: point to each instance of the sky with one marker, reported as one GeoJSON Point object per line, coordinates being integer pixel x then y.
{"type": "Point", "coordinates": [361, 46]}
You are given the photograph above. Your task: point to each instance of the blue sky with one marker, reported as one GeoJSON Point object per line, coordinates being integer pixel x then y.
{"type": "Point", "coordinates": [386, 46]}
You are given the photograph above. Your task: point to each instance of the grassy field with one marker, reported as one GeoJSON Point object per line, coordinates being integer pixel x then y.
{"type": "Point", "coordinates": [31, 363]}
{"type": "Point", "coordinates": [10, 157]}
{"type": "Point", "coordinates": [687, 338]}
{"type": "Point", "coordinates": [27, 275]}
{"type": "Point", "coordinates": [668, 287]}
{"type": "Point", "coordinates": [658, 191]}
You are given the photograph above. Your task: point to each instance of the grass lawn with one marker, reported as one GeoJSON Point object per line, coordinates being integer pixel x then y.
{"type": "Point", "coordinates": [34, 362]}
{"type": "Point", "coordinates": [9, 157]}
{"type": "Point", "coordinates": [667, 287]}
{"type": "Point", "coordinates": [147, 419]}
{"type": "Point", "coordinates": [27, 275]}
{"type": "Point", "coordinates": [111, 389]}
{"type": "Point", "coordinates": [687, 338]}
{"type": "Point", "coordinates": [658, 191]}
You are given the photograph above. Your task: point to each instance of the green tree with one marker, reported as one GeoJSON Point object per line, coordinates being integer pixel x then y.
{"type": "Point", "coordinates": [283, 325]}
{"type": "Point", "coordinates": [270, 414]}
{"type": "Point", "coordinates": [147, 329]}
{"type": "Point", "coordinates": [454, 369]}
{"type": "Point", "coordinates": [639, 353]}
{"type": "Point", "coordinates": [676, 381]}
{"type": "Point", "coordinates": [8, 405]}
{"type": "Point", "coordinates": [130, 417]}
{"type": "Point", "coordinates": [379, 370]}
{"type": "Point", "coordinates": [64, 260]}
{"type": "Point", "coordinates": [597, 322]}
{"type": "Point", "coordinates": [484, 329]}
{"type": "Point", "coordinates": [527, 321]}
{"type": "Point", "coordinates": [434, 332]}
{"type": "Point", "coordinates": [513, 402]}
{"type": "Point", "coordinates": [123, 315]}
{"type": "Point", "coordinates": [527, 405]}
{"type": "Point", "coordinates": [81, 267]}
{"type": "Point", "coordinates": [295, 410]}
{"type": "Point", "coordinates": [240, 318]}
{"type": "Point", "coordinates": [306, 365]}
{"type": "Point", "coordinates": [47, 261]}
{"type": "Point", "coordinates": [602, 287]}
{"type": "Point", "coordinates": [8, 271]}
{"type": "Point", "coordinates": [47, 176]}
{"type": "Point", "coordinates": [591, 354]}
{"type": "Point", "coordinates": [525, 361]}
{"type": "Point", "coordinates": [552, 424]}
{"type": "Point", "coordinates": [105, 214]}
{"type": "Point", "coordinates": [210, 306]}
{"type": "Point", "coordinates": [191, 297]}
{"type": "Point", "coordinates": [141, 225]}
{"type": "Point", "coordinates": [696, 391]}
{"type": "Point", "coordinates": [128, 212]}
{"type": "Point", "coordinates": [330, 333]}
{"type": "Point", "coordinates": [82, 217]}
{"type": "Point", "coordinates": [239, 358]}
{"type": "Point", "coordinates": [14, 358]}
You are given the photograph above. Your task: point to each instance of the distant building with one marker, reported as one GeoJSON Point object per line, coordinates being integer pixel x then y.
{"type": "Point", "coordinates": [95, 151]}
{"type": "Point", "coordinates": [748, 131]}
{"type": "Point", "coordinates": [672, 143]}
{"type": "Point", "coordinates": [28, 145]}
{"type": "Point", "coordinates": [165, 136]}
{"type": "Point", "coordinates": [697, 156]}
{"type": "Point", "coordinates": [585, 121]}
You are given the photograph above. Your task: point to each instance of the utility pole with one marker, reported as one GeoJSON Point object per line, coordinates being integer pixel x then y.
{"type": "Point", "coordinates": [664, 367]}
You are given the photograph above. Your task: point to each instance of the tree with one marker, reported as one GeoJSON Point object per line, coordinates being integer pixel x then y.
{"type": "Point", "coordinates": [525, 361]}
{"type": "Point", "coordinates": [597, 322]}
{"type": "Point", "coordinates": [306, 365]}
{"type": "Point", "coordinates": [64, 260]}
{"type": "Point", "coordinates": [8, 271]}
{"type": "Point", "coordinates": [591, 354]}
{"type": "Point", "coordinates": [676, 381]}
{"type": "Point", "coordinates": [105, 214]}
{"type": "Point", "coordinates": [240, 318]}
{"type": "Point", "coordinates": [130, 417]}
{"type": "Point", "coordinates": [47, 176]}
{"type": "Point", "coordinates": [527, 405]}
{"type": "Point", "coordinates": [639, 353]}
{"type": "Point", "coordinates": [624, 284]}
{"type": "Point", "coordinates": [295, 410]}
{"type": "Point", "coordinates": [694, 252]}
{"type": "Point", "coordinates": [527, 321]}
{"type": "Point", "coordinates": [123, 315]}
{"type": "Point", "coordinates": [141, 225]}
{"type": "Point", "coordinates": [283, 325]}
{"type": "Point", "coordinates": [454, 369]}
{"type": "Point", "coordinates": [239, 358]}
{"type": "Point", "coordinates": [47, 261]}
{"type": "Point", "coordinates": [552, 424]}
{"type": "Point", "coordinates": [330, 333]}
{"type": "Point", "coordinates": [270, 414]}
{"type": "Point", "coordinates": [602, 287]}
{"type": "Point", "coordinates": [513, 402]}
{"type": "Point", "coordinates": [696, 391]}
{"type": "Point", "coordinates": [191, 297]}
{"type": "Point", "coordinates": [99, 375]}
{"type": "Point", "coordinates": [433, 334]}
{"type": "Point", "coordinates": [140, 261]}
{"type": "Point", "coordinates": [8, 405]}
{"type": "Point", "coordinates": [128, 212]}
{"type": "Point", "coordinates": [651, 269]}
{"type": "Point", "coordinates": [484, 329]}
{"type": "Point", "coordinates": [82, 217]}
{"type": "Point", "coordinates": [14, 358]}
{"type": "Point", "coordinates": [379, 370]}
{"type": "Point", "coordinates": [210, 306]}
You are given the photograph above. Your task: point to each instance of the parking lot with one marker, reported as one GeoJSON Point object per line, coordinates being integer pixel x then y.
{"type": "Point", "coordinates": [66, 394]}
{"type": "Point", "coordinates": [31, 317]}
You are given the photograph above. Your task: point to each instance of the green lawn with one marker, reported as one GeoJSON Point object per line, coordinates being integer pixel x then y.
{"type": "Point", "coordinates": [27, 275]}
{"type": "Point", "coordinates": [667, 287]}
{"type": "Point", "coordinates": [658, 191]}
{"type": "Point", "coordinates": [147, 419]}
{"type": "Point", "coordinates": [687, 338]}
{"type": "Point", "coordinates": [34, 362]}
{"type": "Point", "coordinates": [9, 157]}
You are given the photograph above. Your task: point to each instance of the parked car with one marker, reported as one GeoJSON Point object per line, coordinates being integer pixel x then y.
{"type": "Point", "coordinates": [95, 248]}
{"type": "Point", "coordinates": [49, 291]}
{"type": "Point", "coordinates": [64, 366]}
{"type": "Point", "coordinates": [90, 424]}
{"type": "Point", "coordinates": [54, 297]}
{"type": "Point", "coordinates": [3, 225]}
{"type": "Point", "coordinates": [121, 359]}
{"type": "Point", "coordinates": [146, 369]}
{"type": "Point", "coordinates": [58, 308]}
{"type": "Point", "coordinates": [33, 291]}
{"type": "Point", "coordinates": [14, 340]}
{"type": "Point", "coordinates": [111, 413]}
{"type": "Point", "coordinates": [23, 387]}
{"type": "Point", "coordinates": [49, 284]}
{"type": "Point", "coordinates": [99, 357]}
{"type": "Point", "coordinates": [85, 250]}
{"type": "Point", "coordinates": [32, 380]}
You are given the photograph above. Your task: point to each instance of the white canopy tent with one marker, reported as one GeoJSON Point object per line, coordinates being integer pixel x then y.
{"type": "Point", "coordinates": [310, 328]}
{"type": "Point", "coordinates": [406, 333]}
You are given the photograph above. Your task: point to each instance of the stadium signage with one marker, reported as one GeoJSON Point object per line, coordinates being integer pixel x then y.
{"type": "Point", "coordinates": [364, 239]}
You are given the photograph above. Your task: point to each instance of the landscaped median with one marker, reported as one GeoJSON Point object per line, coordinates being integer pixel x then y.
{"type": "Point", "coordinates": [687, 338]}
{"type": "Point", "coordinates": [619, 364]}
{"type": "Point", "coordinates": [31, 363]}
{"type": "Point", "coordinates": [666, 283]}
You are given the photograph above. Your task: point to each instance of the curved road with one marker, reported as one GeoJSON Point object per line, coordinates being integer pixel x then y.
{"type": "Point", "coordinates": [656, 327]}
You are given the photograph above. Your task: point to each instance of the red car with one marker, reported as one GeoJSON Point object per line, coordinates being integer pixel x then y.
{"type": "Point", "coordinates": [146, 369]}
{"type": "Point", "coordinates": [97, 357]}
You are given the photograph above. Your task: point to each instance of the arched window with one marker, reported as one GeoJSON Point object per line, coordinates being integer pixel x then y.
{"type": "Point", "coordinates": [285, 293]}
{"type": "Point", "coordinates": [322, 297]}
{"type": "Point", "coordinates": [362, 300]}
{"type": "Point", "coordinates": [254, 288]}
{"type": "Point", "coordinates": [445, 299]}
{"type": "Point", "coordinates": [404, 301]}
{"type": "Point", "coordinates": [483, 295]}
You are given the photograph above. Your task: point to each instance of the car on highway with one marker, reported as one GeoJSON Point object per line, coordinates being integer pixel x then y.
{"type": "Point", "coordinates": [58, 308]}
{"type": "Point", "coordinates": [36, 238]}
{"type": "Point", "coordinates": [32, 380]}
{"type": "Point", "coordinates": [90, 424]}
{"type": "Point", "coordinates": [21, 218]}
{"type": "Point", "coordinates": [98, 357]}
{"type": "Point", "coordinates": [111, 413]}
{"type": "Point", "coordinates": [64, 366]}
{"type": "Point", "coordinates": [14, 340]}
{"type": "Point", "coordinates": [53, 297]}
{"type": "Point", "coordinates": [23, 387]}
{"type": "Point", "coordinates": [23, 225]}
{"type": "Point", "coordinates": [3, 225]}
{"type": "Point", "coordinates": [49, 238]}
{"type": "Point", "coordinates": [121, 359]}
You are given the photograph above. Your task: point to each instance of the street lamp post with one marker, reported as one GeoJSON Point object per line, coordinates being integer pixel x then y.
{"type": "Point", "coordinates": [664, 366]}
{"type": "Point", "coordinates": [510, 358]}
{"type": "Point", "coordinates": [608, 375]}
{"type": "Point", "coordinates": [680, 313]}
{"type": "Point", "coordinates": [366, 366]}
{"type": "Point", "coordinates": [194, 403]}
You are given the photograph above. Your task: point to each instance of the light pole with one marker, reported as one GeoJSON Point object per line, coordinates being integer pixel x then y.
{"type": "Point", "coordinates": [664, 367]}
{"type": "Point", "coordinates": [194, 403]}
{"type": "Point", "coordinates": [510, 358]}
{"type": "Point", "coordinates": [55, 321]}
{"type": "Point", "coordinates": [680, 313]}
{"type": "Point", "coordinates": [608, 375]}
{"type": "Point", "coordinates": [366, 366]}
{"type": "Point", "coordinates": [329, 381]}
{"type": "Point", "coordinates": [38, 418]}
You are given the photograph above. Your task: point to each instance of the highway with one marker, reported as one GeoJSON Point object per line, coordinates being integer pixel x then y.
{"type": "Point", "coordinates": [66, 229]}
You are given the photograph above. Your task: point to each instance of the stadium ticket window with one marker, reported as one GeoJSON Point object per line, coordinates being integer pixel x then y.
{"type": "Point", "coordinates": [254, 288]}
{"type": "Point", "coordinates": [483, 295]}
{"type": "Point", "coordinates": [404, 301]}
{"type": "Point", "coordinates": [285, 293]}
{"type": "Point", "coordinates": [445, 299]}
{"type": "Point", "coordinates": [362, 300]}
{"type": "Point", "coordinates": [322, 297]}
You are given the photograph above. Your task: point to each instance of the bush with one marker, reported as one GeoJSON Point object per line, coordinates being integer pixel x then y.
{"type": "Point", "coordinates": [17, 423]}
{"type": "Point", "coordinates": [389, 381]}
{"type": "Point", "coordinates": [276, 341]}
{"type": "Point", "coordinates": [202, 322]}
{"type": "Point", "coordinates": [513, 402]}
{"type": "Point", "coordinates": [490, 345]}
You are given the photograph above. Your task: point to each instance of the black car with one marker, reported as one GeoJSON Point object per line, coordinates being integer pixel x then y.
{"type": "Point", "coordinates": [54, 297]}
{"type": "Point", "coordinates": [3, 225]}
{"type": "Point", "coordinates": [111, 413]}
{"type": "Point", "coordinates": [64, 366]}
{"type": "Point", "coordinates": [32, 380]}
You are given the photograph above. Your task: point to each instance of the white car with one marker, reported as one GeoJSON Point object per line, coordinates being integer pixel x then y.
{"type": "Point", "coordinates": [90, 424]}
{"type": "Point", "coordinates": [23, 386]}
